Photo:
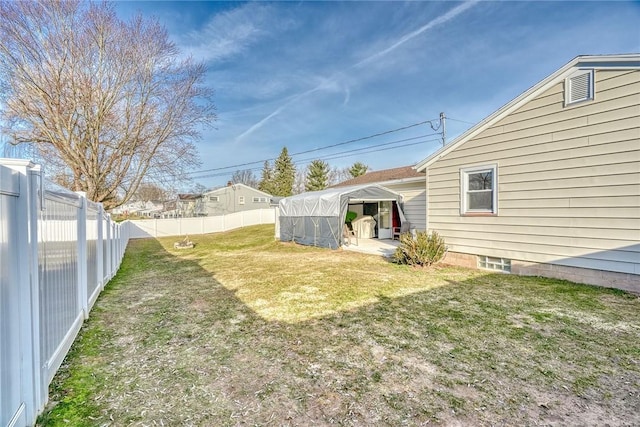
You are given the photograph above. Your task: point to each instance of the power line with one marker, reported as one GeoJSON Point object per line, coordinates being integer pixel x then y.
{"type": "Point", "coordinates": [363, 138]}
{"type": "Point", "coordinates": [317, 149]}
{"type": "Point", "coordinates": [355, 150]}
{"type": "Point", "coordinates": [330, 157]}
{"type": "Point", "coordinates": [338, 153]}
{"type": "Point", "coordinates": [461, 121]}
{"type": "Point", "coordinates": [384, 149]}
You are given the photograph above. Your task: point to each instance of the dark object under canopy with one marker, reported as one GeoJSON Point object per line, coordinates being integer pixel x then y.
{"type": "Point", "coordinates": [316, 218]}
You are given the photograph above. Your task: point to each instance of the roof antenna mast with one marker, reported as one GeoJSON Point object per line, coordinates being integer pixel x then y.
{"type": "Point", "coordinates": [442, 125]}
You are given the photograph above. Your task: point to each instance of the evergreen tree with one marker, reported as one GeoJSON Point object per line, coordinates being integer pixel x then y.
{"type": "Point", "coordinates": [357, 169]}
{"type": "Point", "coordinates": [267, 183]}
{"type": "Point", "coordinates": [284, 174]}
{"type": "Point", "coordinates": [317, 176]}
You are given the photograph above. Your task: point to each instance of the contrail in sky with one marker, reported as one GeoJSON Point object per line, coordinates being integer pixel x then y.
{"type": "Point", "coordinates": [276, 112]}
{"type": "Point", "coordinates": [439, 20]}
{"type": "Point", "coordinates": [431, 24]}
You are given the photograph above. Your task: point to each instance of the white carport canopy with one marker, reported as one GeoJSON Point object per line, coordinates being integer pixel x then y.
{"type": "Point", "coordinates": [316, 218]}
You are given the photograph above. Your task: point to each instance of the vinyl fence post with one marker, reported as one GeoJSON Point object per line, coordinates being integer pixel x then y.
{"type": "Point", "coordinates": [106, 221]}
{"type": "Point", "coordinates": [112, 248]}
{"type": "Point", "coordinates": [35, 196]}
{"type": "Point", "coordinates": [28, 304]}
{"type": "Point", "coordinates": [83, 298]}
{"type": "Point", "coordinates": [99, 248]}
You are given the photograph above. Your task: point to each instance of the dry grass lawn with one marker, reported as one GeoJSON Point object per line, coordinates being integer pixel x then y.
{"type": "Point", "coordinates": [242, 330]}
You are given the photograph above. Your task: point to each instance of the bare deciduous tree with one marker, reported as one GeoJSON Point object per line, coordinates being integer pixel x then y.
{"type": "Point", "coordinates": [300, 180]}
{"type": "Point", "coordinates": [246, 177]}
{"type": "Point", "coordinates": [337, 175]}
{"type": "Point", "coordinates": [148, 191]}
{"type": "Point", "coordinates": [106, 103]}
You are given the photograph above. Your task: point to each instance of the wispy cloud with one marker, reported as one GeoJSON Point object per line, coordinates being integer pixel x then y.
{"type": "Point", "coordinates": [336, 83]}
{"type": "Point", "coordinates": [227, 34]}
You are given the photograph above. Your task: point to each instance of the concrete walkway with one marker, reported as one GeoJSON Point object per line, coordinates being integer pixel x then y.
{"type": "Point", "coordinates": [385, 247]}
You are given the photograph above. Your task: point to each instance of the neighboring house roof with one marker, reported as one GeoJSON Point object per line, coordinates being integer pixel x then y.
{"type": "Point", "coordinates": [404, 173]}
{"type": "Point", "coordinates": [217, 190]}
{"type": "Point", "coordinates": [597, 62]}
{"type": "Point", "coordinates": [275, 200]}
{"type": "Point", "coordinates": [188, 196]}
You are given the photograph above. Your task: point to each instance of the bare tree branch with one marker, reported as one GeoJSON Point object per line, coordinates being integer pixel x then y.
{"type": "Point", "coordinates": [108, 103]}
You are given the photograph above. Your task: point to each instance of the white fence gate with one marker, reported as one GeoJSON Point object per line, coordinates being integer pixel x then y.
{"type": "Point", "coordinates": [57, 251]}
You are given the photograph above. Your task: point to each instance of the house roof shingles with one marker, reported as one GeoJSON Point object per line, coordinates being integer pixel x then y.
{"type": "Point", "coordinates": [404, 172]}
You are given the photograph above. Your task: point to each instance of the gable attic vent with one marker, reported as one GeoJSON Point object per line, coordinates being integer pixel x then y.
{"type": "Point", "coordinates": [578, 87]}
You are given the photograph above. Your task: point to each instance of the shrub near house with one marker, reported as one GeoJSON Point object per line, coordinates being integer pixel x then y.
{"type": "Point", "coordinates": [424, 250]}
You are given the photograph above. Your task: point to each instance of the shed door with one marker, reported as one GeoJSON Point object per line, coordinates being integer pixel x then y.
{"type": "Point", "coordinates": [385, 230]}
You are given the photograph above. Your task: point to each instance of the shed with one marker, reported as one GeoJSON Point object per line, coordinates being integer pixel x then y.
{"type": "Point", "coordinates": [404, 180]}
{"type": "Point", "coordinates": [316, 218]}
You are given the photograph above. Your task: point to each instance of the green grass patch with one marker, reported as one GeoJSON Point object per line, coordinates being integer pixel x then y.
{"type": "Point", "coordinates": [245, 330]}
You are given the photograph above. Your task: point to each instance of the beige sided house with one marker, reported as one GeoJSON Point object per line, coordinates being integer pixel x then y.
{"type": "Point", "coordinates": [549, 184]}
{"type": "Point", "coordinates": [405, 181]}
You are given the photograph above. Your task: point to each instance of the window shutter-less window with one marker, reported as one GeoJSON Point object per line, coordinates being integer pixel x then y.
{"type": "Point", "coordinates": [579, 87]}
{"type": "Point", "coordinates": [479, 190]}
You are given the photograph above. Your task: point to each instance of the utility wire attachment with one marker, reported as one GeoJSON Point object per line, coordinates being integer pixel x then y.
{"type": "Point", "coordinates": [441, 125]}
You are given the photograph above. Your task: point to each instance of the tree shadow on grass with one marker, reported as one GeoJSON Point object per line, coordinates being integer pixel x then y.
{"type": "Point", "coordinates": [168, 344]}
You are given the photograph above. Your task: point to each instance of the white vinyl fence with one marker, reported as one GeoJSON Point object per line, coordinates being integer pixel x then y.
{"type": "Point", "coordinates": [206, 224]}
{"type": "Point", "coordinates": [57, 251]}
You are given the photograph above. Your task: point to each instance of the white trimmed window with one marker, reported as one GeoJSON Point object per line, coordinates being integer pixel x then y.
{"type": "Point", "coordinates": [578, 87]}
{"type": "Point", "coordinates": [259, 200]}
{"type": "Point", "coordinates": [478, 191]}
{"type": "Point", "coordinates": [241, 200]}
{"type": "Point", "coordinates": [214, 198]}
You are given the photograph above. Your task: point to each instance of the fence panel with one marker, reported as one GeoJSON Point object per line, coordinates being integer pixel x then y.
{"type": "Point", "coordinates": [93, 278]}
{"type": "Point", "coordinates": [190, 226]}
{"type": "Point", "coordinates": [60, 313]}
{"type": "Point", "coordinates": [56, 252]}
{"type": "Point", "coordinates": [106, 252]}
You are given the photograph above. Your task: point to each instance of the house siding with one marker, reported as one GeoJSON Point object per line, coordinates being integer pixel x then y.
{"type": "Point", "coordinates": [568, 181]}
{"type": "Point", "coordinates": [229, 200]}
{"type": "Point", "coordinates": [415, 201]}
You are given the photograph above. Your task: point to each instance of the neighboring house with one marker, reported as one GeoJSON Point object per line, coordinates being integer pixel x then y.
{"type": "Point", "coordinates": [129, 209]}
{"type": "Point", "coordinates": [184, 206]}
{"type": "Point", "coordinates": [190, 205]}
{"type": "Point", "coordinates": [152, 209]}
{"type": "Point", "coordinates": [169, 209]}
{"type": "Point", "coordinates": [404, 180]}
{"type": "Point", "coordinates": [234, 198]}
{"type": "Point", "coordinates": [549, 184]}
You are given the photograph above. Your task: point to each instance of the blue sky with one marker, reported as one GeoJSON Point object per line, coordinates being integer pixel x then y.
{"type": "Point", "coordinates": [310, 74]}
